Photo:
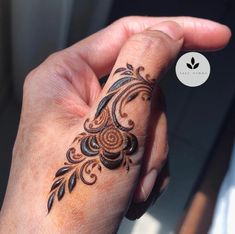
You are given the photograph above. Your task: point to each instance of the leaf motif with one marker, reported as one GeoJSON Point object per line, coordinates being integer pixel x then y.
{"type": "Point", "coordinates": [62, 171]}
{"type": "Point", "coordinates": [119, 70]}
{"type": "Point", "coordinates": [61, 191]}
{"type": "Point", "coordinates": [120, 83]}
{"type": "Point", "coordinates": [103, 103]}
{"type": "Point", "coordinates": [189, 66]}
{"type": "Point", "coordinates": [50, 202]}
{"type": "Point", "coordinates": [127, 73]}
{"type": "Point", "coordinates": [72, 181]}
{"type": "Point", "coordinates": [192, 60]}
{"type": "Point", "coordinates": [196, 66]}
{"type": "Point", "coordinates": [56, 184]}
{"type": "Point", "coordinates": [132, 96]}
{"type": "Point", "coordinates": [129, 66]}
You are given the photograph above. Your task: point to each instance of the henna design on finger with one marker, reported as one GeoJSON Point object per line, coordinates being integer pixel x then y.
{"type": "Point", "coordinates": [107, 140]}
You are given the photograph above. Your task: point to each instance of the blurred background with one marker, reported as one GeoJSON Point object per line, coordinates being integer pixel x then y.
{"type": "Point", "coordinates": [30, 30]}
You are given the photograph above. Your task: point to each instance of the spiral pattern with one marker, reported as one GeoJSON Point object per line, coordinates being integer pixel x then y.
{"type": "Point", "coordinates": [111, 139]}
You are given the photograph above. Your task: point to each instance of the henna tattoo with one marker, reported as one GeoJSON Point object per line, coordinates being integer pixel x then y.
{"type": "Point", "coordinates": [105, 141]}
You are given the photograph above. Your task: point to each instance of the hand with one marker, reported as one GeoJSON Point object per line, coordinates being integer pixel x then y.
{"type": "Point", "coordinates": [83, 153]}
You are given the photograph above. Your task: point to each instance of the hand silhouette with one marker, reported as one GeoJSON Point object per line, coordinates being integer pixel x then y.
{"type": "Point", "coordinates": [85, 156]}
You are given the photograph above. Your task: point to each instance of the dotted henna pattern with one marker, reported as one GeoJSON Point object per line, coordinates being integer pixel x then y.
{"type": "Point", "coordinates": [105, 142]}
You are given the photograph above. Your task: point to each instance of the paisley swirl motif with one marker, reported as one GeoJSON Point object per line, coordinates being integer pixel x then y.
{"type": "Point", "coordinates": [107, 140]}
{"type": "Point", "coordinates": [87, 176]}
{"type": "Point", "coordinates": [72, 157]}
{"type": "Point", "coordinates": [97, 124]}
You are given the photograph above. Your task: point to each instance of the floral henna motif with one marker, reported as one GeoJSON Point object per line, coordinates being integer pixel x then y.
{"type": "Point", "coordinates": [105, 142]}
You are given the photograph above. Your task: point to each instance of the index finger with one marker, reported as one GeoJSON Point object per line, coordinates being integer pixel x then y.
{"type": "Point", "coordinates": [101, 49]}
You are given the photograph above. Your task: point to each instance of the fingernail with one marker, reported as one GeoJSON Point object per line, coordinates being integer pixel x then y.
{"type": "Point", "coordinates": [170, 28]}
{"type": "Point", "coordinates": [161, 103]}
{"type": "Point", "coordinates": [162, 189]}
{"type": "Point", "coordinates": [146, 186]}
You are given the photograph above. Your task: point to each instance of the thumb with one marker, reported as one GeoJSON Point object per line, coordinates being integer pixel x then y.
{"type": "Point", "coordinates": [124, 105]}
{"type": "Point", "coordinates": [111, 140]}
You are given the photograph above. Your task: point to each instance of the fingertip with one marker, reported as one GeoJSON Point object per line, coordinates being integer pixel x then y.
{"type": "Point", "coordinates": [208, 35]}
{"type": "Point", "coordinates": [219, 27]}
{"type": "Point", "coordinates": [226, 35]}
{"type": "Point", "coordinates": [220, 34]}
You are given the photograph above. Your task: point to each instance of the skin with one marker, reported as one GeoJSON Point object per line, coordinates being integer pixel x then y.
{"type": "Point", "coordinates": [64, 91]}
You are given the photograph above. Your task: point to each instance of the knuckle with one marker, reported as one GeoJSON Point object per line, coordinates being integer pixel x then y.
{"type": "Point", "coordinates": [59, 60]}
{"type": "Point", "coordinates": [125, 20]}
{"type": "Point", "coordinates": [29, 79]}
{"type": "Point", "coordinates": [53, 57]}
{"type": "Point", "coordinates": [149, 40]}
{"type": "Point", "coordinates": [60, 64]}
{"type": "Point", "coordinates": [59, 69]}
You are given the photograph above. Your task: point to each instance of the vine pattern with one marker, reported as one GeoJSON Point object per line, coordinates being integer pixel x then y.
{"type": "Point", "coordinates": [105, 142]}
